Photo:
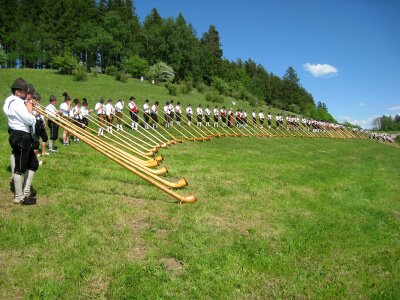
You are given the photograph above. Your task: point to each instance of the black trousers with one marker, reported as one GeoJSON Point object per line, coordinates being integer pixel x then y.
{"type": "Point", "coordinates": [53, 130]}
{"type": "Point", "coordinates": [22, 147]}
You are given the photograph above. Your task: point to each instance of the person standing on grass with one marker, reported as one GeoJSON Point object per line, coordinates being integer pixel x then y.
{"type": "Point", "coordinates": [223, 116]}
{"type": "Point", "coordinates": [76, 115]}
{"type": "Point", "coordinates": [101, 115]}
{"type": "Point", "coordinates": [269, 120]}
{"type": "Point", "coordinates": [154, 114]}
{"type": "Point", "coordinates": [207, 113]}
{"type": "Point", "coordinates": [216, 116]}
{"type": "Point", "coordinates": [146, 113]}
{"type": "Point", "coordinates": [40, 127]}
{"type": "Point", "coordinates": [171, 109]}
{"type": "Point", "coordinates": [178, 113]}
{"type": "Point", "coordinates": [52, 111]}
{"type": "Point", "coordinates": [85, 112]}
{"type": "Point", "coordinates": [65, 107]}
{"type": "Point", "coordinates": [119, 107]}
{"type": "Point", "coordinates": [189, 113]}
{"type": "Point", "coordinates": [21, 123]}
{"type": "Point", "coordinates": [133, 110]}
{"type": "Point", "coordinates": [110, 112]}
{"type": "Point", "coordinates": [167, 113]}
{"type": "Point", "coordinates": [199, 112]}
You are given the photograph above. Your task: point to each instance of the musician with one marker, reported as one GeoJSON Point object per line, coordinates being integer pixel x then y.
{"type": "Point", "coordinates": [85, 112]}
{"type": "Point", "coordinates": [261, 117]}
{"type": "Point", "coordinates": [76, 115]}
{"type": "Point", "coordinates": [167, 114]}
{"type": "Point", "coordinates": [229, 113]}
{"type": "Point", "coordinates": [146, 113]}
{"type": "Point", "coordinates": [223, 116]}
{"type": "Point", "coordinates": [277, 120]}
{"type": "Point", "coordinates": [40, 127]}
{"type": "Point", "coordinates": [254, 117]}
{"type": "Point", "coordinates": [21, 123]}
{"type": "Point", "coordinates": [244, 118]}
{"type": "Point", "coordinates": [64, 110]}
{"type": "Point", "coordinates": [238, 118]}
{"type": "Point", "coordinates": [189, 113]}
{"type": "Point", "coordinates": [119, 107]}
{"type": "Point", "coordinates": [178, 113]}
{"type": "Point", "coordinates": [154, 114]}
{"type": "Point", "coordinates": [171, 113]}
{"type": "Point", "coordinates": [52, 111]}
{"type": "Point", "coordinates": [101, 115]}
{"type": "Point", "coordinates": [199, 112]}
{"type": "Point", "coordinates": [216, 116]}
{"type": "Point", "coordinates": [133, 110]}
{"type": "Point", "coordinates": [110, 113]}
{"type": "Point", "coordinates": [207, 113]}
{"type": "Point", "coordinates": [269, 119]}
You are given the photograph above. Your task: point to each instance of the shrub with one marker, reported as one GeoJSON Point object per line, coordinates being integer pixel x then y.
{"type": "Point", "coordinates": [80, 73]}
{"type": "Point", "coordinates": [121, 76]}
{"type": "Point", "coordinates": [3, 57]}
{"type": "Point", "coordinates": [294, 108]}
{"type": "Point", "coordinates": [397, 139]}
{"type": "Point", "coordinates": [220, 85]}
{"type": "Point", "coordinates": [65, 64]}
{"type": "Point", "coordinates": [95, 71]}
{"type": "Point", "coordinates": [185, 87]}
{"type": "Point", "coordinates": [111, 70]}
{"type": "Point", "coordinates": [161, 72]}
{"type": "Point", "coordinates": [136, 66]}
{"type": "Point", "coordinates": [214, 96]}
{"type": "Point", "coordinates": [201, 87]}
{"type": "Point", "coordinates": [172, 88]}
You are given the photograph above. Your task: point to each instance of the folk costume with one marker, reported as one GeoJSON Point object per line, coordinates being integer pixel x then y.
{"type": "Point", "coordinates": [133, 110]}
{"type": "Point", "coordinates": [119, 107]}
{"type": "Point", "coordinates": [101, 115]}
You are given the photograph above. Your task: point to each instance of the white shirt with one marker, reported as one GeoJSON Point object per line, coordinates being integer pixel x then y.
{"type": "Point", "coordinates": [146, 108]}
{"type": "Point", "coordinates": [207, 111]}
{"type": "Point", "coordinates": [76, 113]}
{"type": "Point", "coordinates": [131, 105]}
{"type": "Point", "coordinates": [110, 110]}
{"type": "Point", "coordinates": [84, 111]}
{"type": "Point", "coordinates": [189, 110]}
{"type": "Point", "coordinates": [254, 115]}
{"type": "Point", "coordinates": [216, 112]}
{"type": "Point", "coordinates": [100, 109]}
{"type": "Point", "coordinates": [17, 114]}
{"type": "Point", "coordinates": [261, 116]}
{"type": "Point", "coordinates": [199, 111]}
{"type": "Point", "coordinates": [64, 109]}
{"type": "Point", "coordinates": [154, 109]}
{"type": "Point", "coordinates": [171, 108]}
{"type": "Point", "coordinates": [51, 110]}
{"type": "Point", "coordinates": [166, 109]}
{"type": "Point", "coordinates": [119, 106]}
{"type": "Point", "coordinates": [178, 109]}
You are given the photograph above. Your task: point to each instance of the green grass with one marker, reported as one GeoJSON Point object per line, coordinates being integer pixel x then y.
{"type": "Point", "coordinates": [276, 218]}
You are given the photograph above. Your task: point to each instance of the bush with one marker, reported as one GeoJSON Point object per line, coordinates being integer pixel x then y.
{"type": "Point", "coordinates": [397, 139]}
{"type": "Point", "coordinates": [214, 96]}
{"type": "Point", "coordinates": [201, 87]}
{"type": "Point", "coordinates": [3, 57]}
{"type": "Point", "coordinates": [172, 88]}
{"type": "Point", "coordinates": [121, 76]}
{"type": "Point", "coordinates": [294, 108]}
{"type": "Point", "coordinates": [136, 66]}
{"type": "Point", "coordinates": [185, 87]}
{"type": "Point", "coordinates": [65, 64]}
{"type": "Point", "coordinates": [95, 71]}
{"type": "Point", "coordinates": [220, 85]}
{"type": "Point", "coordinates": [111, 70]}
{"type": "Point", "coordinates": [80, 73]}
{"type": "Point", "coordinates": [161, 72]}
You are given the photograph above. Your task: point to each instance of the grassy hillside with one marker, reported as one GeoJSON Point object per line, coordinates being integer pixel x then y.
{"type": "Point", "coordinates": [276, 218]}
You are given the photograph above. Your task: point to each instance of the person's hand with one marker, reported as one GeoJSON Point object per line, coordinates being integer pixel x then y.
{"type": "Point", "coordinates": [28, 105]}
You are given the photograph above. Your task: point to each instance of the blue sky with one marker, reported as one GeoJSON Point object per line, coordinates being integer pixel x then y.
{"type": "Point", "coordinates": [346, 53]}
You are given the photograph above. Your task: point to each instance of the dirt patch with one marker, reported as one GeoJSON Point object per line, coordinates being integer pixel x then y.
{"type": "Point", "coordinates": [397, 215]}
{"type": "Point", "coordinates": [173, 265]}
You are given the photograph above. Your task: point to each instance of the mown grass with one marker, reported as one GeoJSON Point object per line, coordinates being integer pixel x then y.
{"type": "Point", "coordinates": [276, 218]}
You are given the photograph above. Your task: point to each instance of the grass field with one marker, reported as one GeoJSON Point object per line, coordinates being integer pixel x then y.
{"type": "Point", "coordinates": [276, 218]}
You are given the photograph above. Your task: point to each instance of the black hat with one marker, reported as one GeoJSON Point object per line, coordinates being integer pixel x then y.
{"type": "Point", "coordinates": [52, 98]}
{"type": "Point", "coordinates": [109, 100]}
{"type": "Point", "coordinates": [66, 97]}
{"type": "Point", "coordinates": [85, 102]}
{"type": "Point", "coordinates": [132, 98]}
{"type": "Point", "coordinates": [36, 96]}
{"type": "Point", "coordinates": [19, 84]}
{"type": "Point", "coordinates": [30, 89]}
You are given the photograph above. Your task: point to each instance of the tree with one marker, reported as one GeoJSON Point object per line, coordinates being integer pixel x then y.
{"type": "Point", "coordinates": [3, 57]}
{"type": "Point", "coordinates": [211, 54]}
{"type": "Point", "coordinates": [161, 72]}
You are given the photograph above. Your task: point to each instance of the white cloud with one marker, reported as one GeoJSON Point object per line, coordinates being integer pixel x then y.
{"type": "Point", "coordinates": [394, 107]}
{"type": "Point", "coordinates": [320, 70]}
{"type": "Point", "coordinates": [366, 123]}
{"type": "Point", "coordinates": [363, 104]}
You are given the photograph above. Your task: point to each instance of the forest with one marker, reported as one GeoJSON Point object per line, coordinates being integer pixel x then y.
{"type": "Point", "coordinates": [107, 35]}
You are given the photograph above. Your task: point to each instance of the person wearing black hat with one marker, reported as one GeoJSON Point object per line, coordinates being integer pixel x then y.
{"type": "Point", "coordinates": [101, 115]}
{"type": "Point", "coordinates": [223, 116]}
{"type": "Point", "coordinates": [178, 113]}
{"type": "Point", "coordinates": [189, 113]}
{"type": "Point", "coordinates": [133, 110]}
{"type": "Point", "coordinates": [216, 116]}
{"type": "Point", "coordinates": [146, 113]}
{"type": "Point", "coordinates": [51, 110]}
{"type": "Point", "coordinates": [167, 114]}
{"type": "Point", "coordinates": [199, 111]}
{"type": "Point", "coordinates": [20, 122]}
{"type": "Point", "coordinates": [110, 113]}
{"type": "Point", "coordinates": [85, 112]}
{"type": "Point", "coordinates": [119, 107]}
{"type": "Point", "coordinates": [154, 114]}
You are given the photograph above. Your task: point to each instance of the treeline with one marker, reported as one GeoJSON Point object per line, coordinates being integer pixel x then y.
{"type": "Point", "coordinates": [108, 34]}
{"type": "Point", "coordinates": [387, 123]}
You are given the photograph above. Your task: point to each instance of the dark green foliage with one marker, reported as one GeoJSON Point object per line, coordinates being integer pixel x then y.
{"type": "Point", "coordinates": [65, 64]}
{"type": "Point", "coordinates": [185, 87]}
{"type": "Point", "coordinates": [80, 73]}
{"type": "Point", "coordinates": [201, 87]}
{"type": "Point", "coordinates": [111, 70]}
{"type": "Point", "coordinates": [387, 123]}
{"type": "Point", "coordinates": [294, 108]}
{"type": "Point", "coordinates": [172, 88]}
{"type": "Point", "coordinates": [121, 76]}
{"type": "Point", "coordinates": [214, 96]}
{"type": "Point", "coordinates": [397, 139]}
{"type": "Point", "coordinates": [108, 33]}
{"type": "Point", "coordinates": [3, 57]}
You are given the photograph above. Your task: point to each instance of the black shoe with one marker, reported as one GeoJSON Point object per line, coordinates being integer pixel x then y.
{"type": "Point", "coordinates": [33, 193]}
{"type": "Point", "coordinates": [28, 201]}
